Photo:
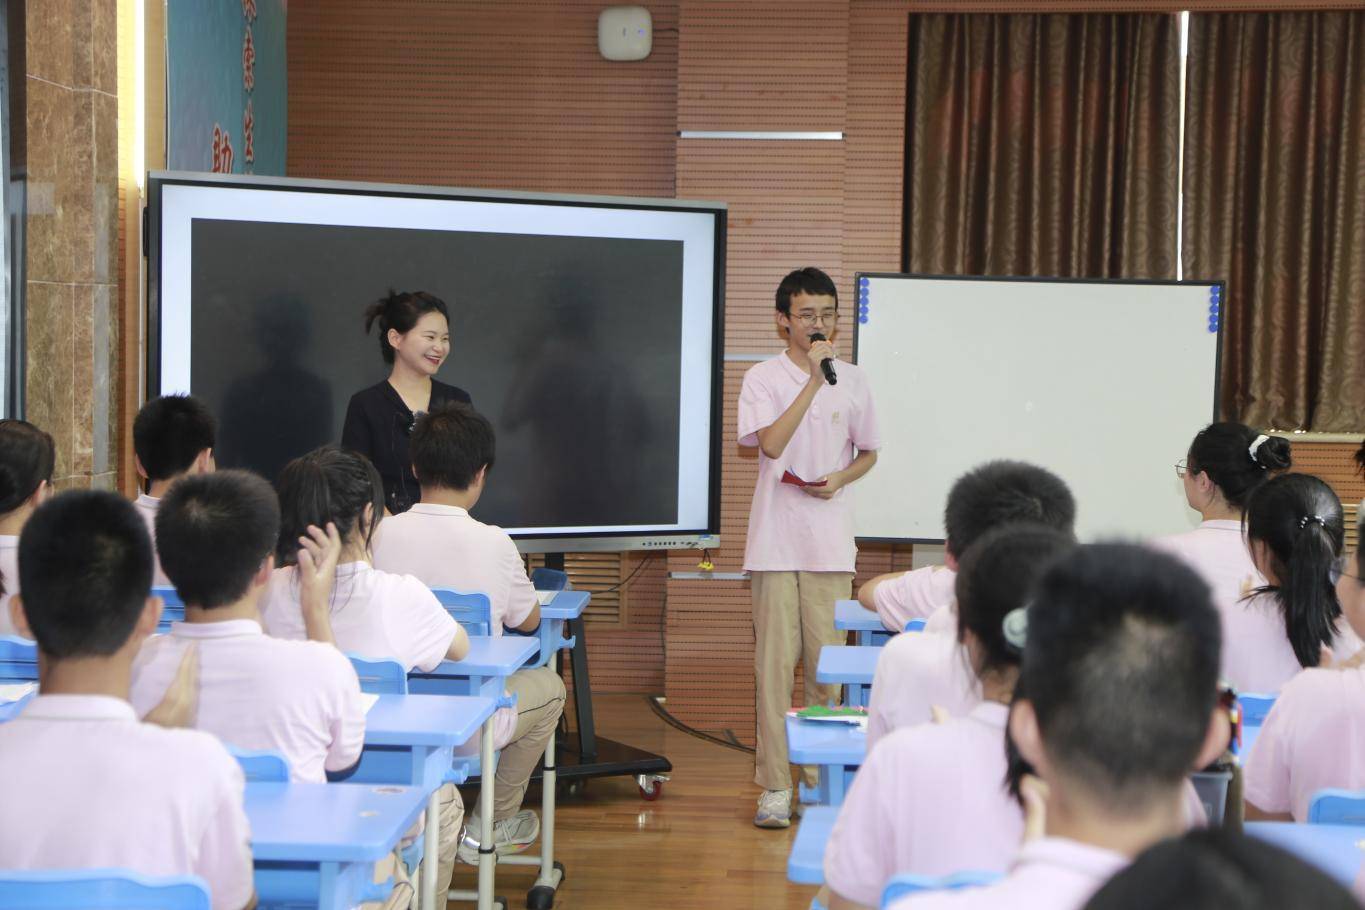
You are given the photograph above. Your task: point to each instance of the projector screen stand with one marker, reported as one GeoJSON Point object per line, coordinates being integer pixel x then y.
{"type": "Point", "coordinates": [583, 754]}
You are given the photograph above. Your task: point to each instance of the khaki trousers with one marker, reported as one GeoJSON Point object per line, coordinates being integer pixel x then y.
{"type": "Point", "coordinates": [793, 617]}
{"type": "Point", "coordinates": [540, 702]}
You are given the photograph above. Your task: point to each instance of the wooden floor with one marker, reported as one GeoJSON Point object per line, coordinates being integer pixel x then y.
{"type": "Point", "coordinates": [694, 847]}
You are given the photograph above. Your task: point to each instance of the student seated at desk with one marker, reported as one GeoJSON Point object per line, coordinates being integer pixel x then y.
{"type": "Point", "coordinates": [298, 698]}
{"type": "Point", "coordinates": [989, 495]}
{"type": "Point", "coordinates": [1295, 529]}
{"type": "Point", "coordinates": [1217, 869]}
{"type": "Point", "coordinates": [27, 457]}
{"type": "Point", "coordinates": [1315, 733]}
{"type": "Point", "coordinates": [931, 799]}
{"type": "Point", "coordinates": [916, 671]}
{"type": "Point", "coordinates": [1225, 464]}
{"type": "Point", "coordinates": [438, 541]}
{"type": "Point", "coordinates": [83, 784]}
{"type": "Point", "coordinates": [173, 437]}
{"type": "Point", "coordinates": [1120, 675]}
{"type": "Point", "coordinates": [373, 614]}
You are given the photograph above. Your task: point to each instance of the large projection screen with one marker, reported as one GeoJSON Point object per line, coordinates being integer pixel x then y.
{"type": "Point", "coordinates": [587, 329]}
{"type": "Point", "coordinates": [1104, 383]}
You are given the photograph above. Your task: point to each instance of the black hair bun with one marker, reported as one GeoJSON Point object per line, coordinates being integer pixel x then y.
{"type": "Point", "coordinates": [1274, 454]}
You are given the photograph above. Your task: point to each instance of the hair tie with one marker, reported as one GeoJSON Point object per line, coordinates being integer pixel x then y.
{"type": "Point", "coordinates": [1255, 447]}
{"type": "Point", "coordinates": [1303, 522]}
{"type": "Point", "coordinates": [1015, 627]}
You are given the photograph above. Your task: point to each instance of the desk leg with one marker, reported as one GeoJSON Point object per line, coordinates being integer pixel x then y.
{"type": "Point", "coordinates": [487, 849]}
{"type": "Point", "coordinates": [430, 848]}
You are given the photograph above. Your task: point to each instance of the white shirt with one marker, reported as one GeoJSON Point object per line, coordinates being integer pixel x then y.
{"type": "Point", "coordinates": [9, 569]}
{"type": "Point", "coordinates": [298, 698]}
{"type": "Point", "coordinates": [146, 507]}
{"type": "Point", "coordinates": [84, 785]}
{"type": "Point", "coordinates": [375, 615]}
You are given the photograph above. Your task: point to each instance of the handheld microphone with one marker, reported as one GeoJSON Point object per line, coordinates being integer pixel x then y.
{"type": "Point", "coordinates": [826, 365]}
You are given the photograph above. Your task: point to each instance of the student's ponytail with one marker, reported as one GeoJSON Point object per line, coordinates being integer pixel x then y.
{"type": "Point", "coordinates": [1237, 459]}
{"type": "Point", "coordinates": [27, 458]}
{"type": "Point", "coordinates": [1299, 520]}
{"type": "Point", "coordinates": [329, 484]}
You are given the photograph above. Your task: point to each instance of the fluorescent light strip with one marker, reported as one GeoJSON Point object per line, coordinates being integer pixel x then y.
{"type": "Point", "coordinates": [759, 135]}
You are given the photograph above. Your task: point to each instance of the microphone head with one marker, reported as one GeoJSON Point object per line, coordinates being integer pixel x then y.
{"type": "Point", "coordinates": [818, 336]}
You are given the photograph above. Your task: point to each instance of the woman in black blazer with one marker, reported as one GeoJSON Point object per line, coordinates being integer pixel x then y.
{"type": "Point", "coordinates": [414, 336]}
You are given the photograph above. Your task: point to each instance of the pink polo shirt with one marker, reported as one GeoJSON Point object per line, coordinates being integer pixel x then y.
{"type": "Point", "coordinates": [146, 507]}
{"type": "Point", "coordinates": [913, 595]}
{"type": "Point", "coordinates": [298, 698]}
{"type": "Point", "coordinates": [929, 799]}
{"type": "Point", "coordinates": [1257, 656]}
{"type": "Point", "coordinates": [915, 671]}
{"type": "Point", "coordinates": [1050, 873]}
{"type": "Point", "coordinates": [374, 614]}
{"type": "Point", "coordinates": [789, 530]}
{"type": "Point", "coordinates": [9, 570]}
{"type": "Point", "coordinates": [943, 620]}
{"type": "Point", "coordinates": [1314, 737]}
{"type": "Point", "coordinates": [446, 547]}
{"type": "Point", "coordinates": [84, 785]}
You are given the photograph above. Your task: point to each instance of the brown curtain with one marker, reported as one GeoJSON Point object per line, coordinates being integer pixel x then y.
{"type": "Point", "coordinates": [1275, 204]}
{"type": "Point", "coordinates": [1042, 145]}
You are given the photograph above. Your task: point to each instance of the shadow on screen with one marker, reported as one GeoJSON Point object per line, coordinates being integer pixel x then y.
{"type": "Point", "coordinates": [576, 410]}
{"type": "Point", "coordinates": [279, 410]}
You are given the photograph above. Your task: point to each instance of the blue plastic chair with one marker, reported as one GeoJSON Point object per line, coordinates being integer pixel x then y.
{"type": "Point", "coordinates": [380, 677]}
{"type": "Point", "coordinates": [18, 658]}
{"type": "Point", "coordinates": [470, 609]}
{"type": "Point", "coordinates": [261, 766]}
{"type": "Point", "coordinates": [1337, 807]}
{"type": "Point", "coordinates": [915, 625]}
{"type": "Point", "coordinates": [906, 884]}
{"type": "Point", "coordinates": [100, 889]}
{"type": "Point", "coordinates": [1254, 707]}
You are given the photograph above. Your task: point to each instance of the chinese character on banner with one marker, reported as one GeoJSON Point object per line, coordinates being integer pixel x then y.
{"type": "Point", "coordinates": [248, 61]}
{"type": "Point", "coordinates": [248, 137]}
{"type": "Point", "coordinates": [249, 10]}
{"type": "Point", "coordinates": [222, 150]}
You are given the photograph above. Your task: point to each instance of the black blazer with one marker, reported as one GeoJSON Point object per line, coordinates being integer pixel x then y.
{"type": "Point", "coordinates": [378, 424]}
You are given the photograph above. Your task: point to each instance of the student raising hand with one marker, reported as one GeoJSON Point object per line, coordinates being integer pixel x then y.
{"type": "Point", "coordinates": [181, 702]}
{"type": "Point", "coordinates": [319, 552]}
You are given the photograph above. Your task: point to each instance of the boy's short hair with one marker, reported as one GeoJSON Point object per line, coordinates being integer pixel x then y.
{"type": "Point", "coordinates": [170, 432]}
{"type": "Point", "coordinates": [810, 281]}
{"type": "Point", "coordinates": [1121, 666]}
{"type": "Point", "coordinates": [213, 533]}
{"type": "Point", "coordinates": [85, 570]}
{"type": "Point", "coordinates": [1001, 492]}
{"type": "Point", "coordinates": [1215, 869]}
{"type": "Point", "coordinates": [449, 445]}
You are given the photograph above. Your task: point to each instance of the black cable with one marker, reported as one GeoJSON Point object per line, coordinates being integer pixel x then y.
{"type": "Point", "coordinates": [631, 577]}
{"type": "Point", "coordinates": [731, 743]}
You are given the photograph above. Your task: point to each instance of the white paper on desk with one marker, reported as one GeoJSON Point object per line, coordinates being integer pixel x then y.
{"type": "Point", "coordinates": [848, 720]}
{"type": "Point", "coordinates": [368, 699]}
{"type": "Point", "coordinates": [544, 597]}
{"type": "Point", "coordinates": [16, 691]}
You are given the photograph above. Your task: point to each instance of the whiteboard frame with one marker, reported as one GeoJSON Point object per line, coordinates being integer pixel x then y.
{"type": "Point", "coordinates": [1038, 279]}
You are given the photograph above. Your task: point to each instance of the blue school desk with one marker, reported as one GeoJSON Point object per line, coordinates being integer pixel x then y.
{"type": "Point", "coordinates": [410, 739]}
{"type": "Point", "coordinates": [806, 863]}
{"type": "Point", "coordinates": [316, 844]}
{"type": "Point", "coordinates": [1335, 849]}
{"type": "Point", "coordinates": [865, 625]}
{"type": "Point", "coordinates": [18, 659]}
{"type": "Point", "coordinates": [12, 709]}
{"type": "Point", "coordinates": [837, 749]}
{"type": "Point", "coordinates": [853, 667]}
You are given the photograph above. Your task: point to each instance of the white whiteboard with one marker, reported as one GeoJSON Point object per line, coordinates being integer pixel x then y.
{"type": "Point", "coordinates": [1103, 383]}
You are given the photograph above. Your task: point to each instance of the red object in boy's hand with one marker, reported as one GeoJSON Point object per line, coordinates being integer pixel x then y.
{"type": "Point", "coordinates": [789, 477]}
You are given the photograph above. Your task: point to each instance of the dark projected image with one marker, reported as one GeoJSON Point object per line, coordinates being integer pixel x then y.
{"type": "Point", "coordinates": [569, 345]}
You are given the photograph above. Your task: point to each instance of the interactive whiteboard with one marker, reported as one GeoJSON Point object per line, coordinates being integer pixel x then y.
{"type": "Point", "coordinates": [1103, 382]}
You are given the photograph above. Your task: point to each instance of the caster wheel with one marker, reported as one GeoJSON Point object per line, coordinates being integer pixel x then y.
{"type": "Point", "coordinates": [575, 787]}
{"type": "Point", "coordinates": [500, 902]}
{"type": "Point", "coordinates": [541, 897]}
{"type": "Point", "coordinates": [653, 791]}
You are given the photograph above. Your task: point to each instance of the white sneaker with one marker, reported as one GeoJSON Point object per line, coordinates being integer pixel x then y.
{"type": "Point", "coordinates": [774, 809]}
{"type": "Point", "coordinates": [511, 835]}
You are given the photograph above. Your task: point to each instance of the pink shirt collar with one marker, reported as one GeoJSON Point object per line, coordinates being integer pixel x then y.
{"type": "Point", "coordinates": [148, 502]}
{"type": "Point", "coordinates": [1221, 524]}
{"type": "Point", "coordinates": [9, 542]}
{"type": "Point", "coordinates": [431, 508]}
{"type": "Point", "coordinates": [228, 628]}
{"type": "Point", "coordinates": [79, 707]}
{"type": "Point", "coordinates": [793, 371]}
{"type": "Point", "coordinates": [991, 713]}
{"type": "Point", "coordinates": [1061, 852]}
